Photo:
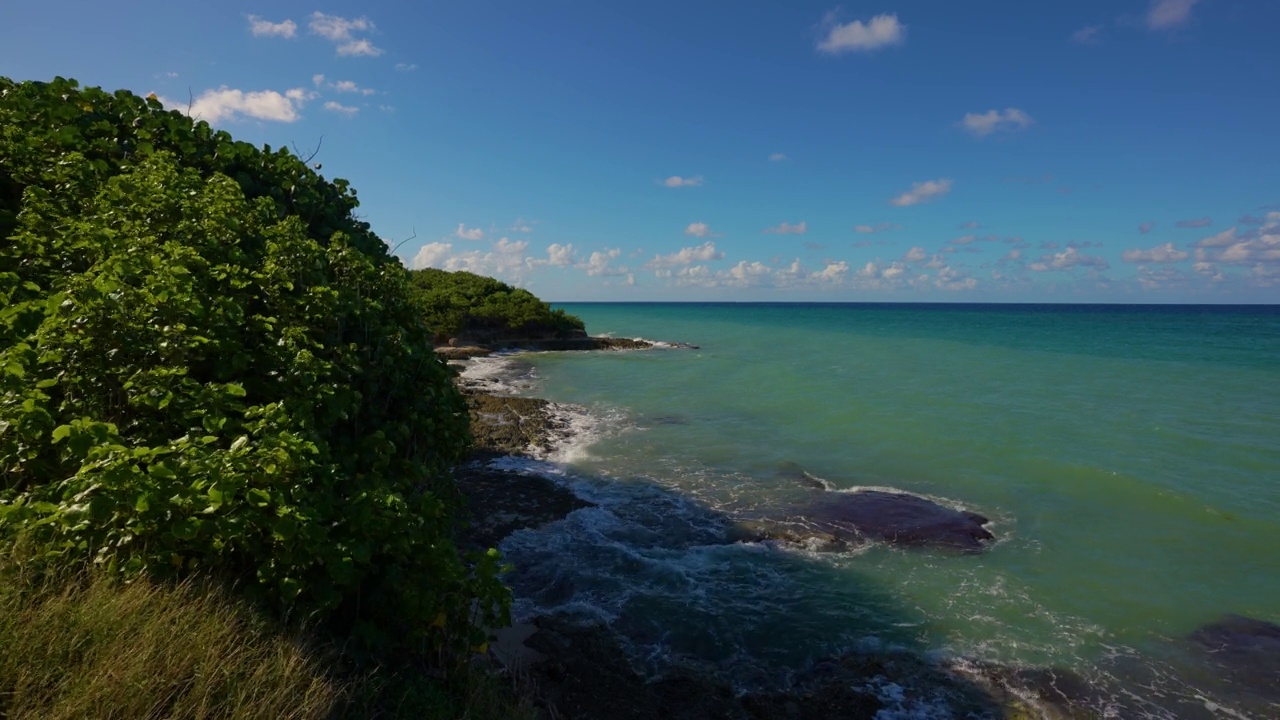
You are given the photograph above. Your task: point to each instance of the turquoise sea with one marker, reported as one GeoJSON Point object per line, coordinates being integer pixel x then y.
{"type": "Point", "coordinates": [1129, 457]}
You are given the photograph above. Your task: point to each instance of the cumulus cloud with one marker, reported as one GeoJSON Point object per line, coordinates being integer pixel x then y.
{"type": "Point", "coordinates": [505, 258]}
{"type": "Point", "coordinates": [923, 192]}
{"type": "Point", "coordinates": [1067, 260]}
{"type": "Point", "coordinates": [1194, 223]}
{"type": "Point", "coordinates": [1087, 35]}
{"type": "Point", "coordinates": [406, 67]}
{"type": "Point", "coordinates": [676, 181]}
{"type": "Point", "coordinates": [699, 230]}
{"type": "Point", "coordinates": [915, 254]}
{"type": "Point", "coordinates": [982, 124]}
{"type": "Point", "coordinates": [1146, 227]}
{"type": "Point", "coordinates": [686, 256]}
{"type": "Point", "coordinates": [598, 264]}
{"type": "Point", "coordinates": [1169, 14]}
{"type": "Point", "coordinates": [341, 31]}
{"type": "Point", "coordinates": [337, 107]}
{"type": "Point", "coordinates": [214, 106]}
{"type": "Point", "coordinates": [465, 233]}
{"type": "Point", "coordinates": [266, 28]}
{"type": "Point", "coordinates": [432, 255]}
{"type": "Point", "coordinates": [1166, 253]}
{"type": "Point", "coordinates": [879, 32]}
{"type": "Point", "coordinates": [1226, 237]}
{"type": "Point", "coordinates": [785, 228]}
{"type": "Point", "coordinates": [348, 86]}
{"type": "Point", "coordinates": [1259, 246]}
{"type": "Point", "coordinates": [561, 255]}
{"type": "Point", "coordinates": [775, 157]}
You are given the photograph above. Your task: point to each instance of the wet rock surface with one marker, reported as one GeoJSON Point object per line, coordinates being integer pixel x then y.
{"type": "Point", "coordinates": [502, 501]}
{"type": "Point", "coordinates": [836, 521]}
{"type": "Point", "coordinates": [1246, 651]}
{"type": "Point", "coordinates": [505, 425]}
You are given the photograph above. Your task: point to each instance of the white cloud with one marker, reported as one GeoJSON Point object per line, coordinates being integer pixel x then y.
{"type": "Point", "coordinates": [676, 181]}
{"type": "Point", "coordinates": [915, 254]}
{"type": "Point", "coordinates": [472, 234]}
{"type": "Point", "coordinates": [561, 255]}
{"type": "Point", "coordinates": [266, 28]}
{"type": "Point", "coordinates": [1087, 35]}
{"type": "Point", "coordinates": [881, 31]}
{"type": "Point", "coordinates": [317, 79]}
{"type": "Point", "coordinates": [432, 255]}
{"type": "Point", "coordinates": [597, 265]}
{"type": "Point", "coordinates": [981, 124]}
{"type": "Point", "coordinates": [339, 30]}
{"type": "Point", "coordinates": [406, 67]}
{"type": "Point", "coordinates": [799, 228]}
{"type": "Point", "coordinates": [214, 106]}
{"type": "Point", "coordinates": [687, 256]}
{"type": "Point", "coordinates": [337, 107]}
{"type": "Point", "coordinates": [699, 230]}
{"type": "Point", "coordinates": [775, 157]}
{"type": "Point", "coordinates": [1259, 246]}
{"type": "Point", "coordinates": [1166, 253]}
{"type": "Point", "coordinates": [1067, 260]}
{"type": "Point", "coordinates": [510, 247]}
{"type": "Point", "coordinates": [834, 272]}
{"type": "Point", "coordinates": [1167, 14]}
{"type": "Point", "coordinates": [359, 48]}
{"type": "Point", "coordinates": [1226, 237]}
{"type": "Point", "coordinates": [923, 192]}
{"type": "Point", "coordinates": [505, 259]}
{"type": "Point", "coordinates": [348, 86]}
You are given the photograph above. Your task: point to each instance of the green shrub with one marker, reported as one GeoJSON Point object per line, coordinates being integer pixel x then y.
{"type": "Point", "coordinates": [462, 303]}
{"type": "Point", "coordinates": [206, 363]}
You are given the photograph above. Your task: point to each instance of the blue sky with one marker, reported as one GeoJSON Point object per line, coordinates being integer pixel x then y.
{"type": "Point", "coordinates": [898, 150]}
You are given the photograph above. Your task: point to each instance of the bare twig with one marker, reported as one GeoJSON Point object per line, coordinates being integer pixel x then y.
{"type": "Point", "coordinates": [397, 247]}
{"type": "Point", "coordinates": [314, 153]}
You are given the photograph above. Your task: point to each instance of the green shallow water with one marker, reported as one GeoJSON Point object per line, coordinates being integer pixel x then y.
{"type": "Point", "coordinates": [1129, 457]}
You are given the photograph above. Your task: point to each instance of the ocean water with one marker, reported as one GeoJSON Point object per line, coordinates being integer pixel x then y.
{"type": "Point", "coordinates": [1128, 456]}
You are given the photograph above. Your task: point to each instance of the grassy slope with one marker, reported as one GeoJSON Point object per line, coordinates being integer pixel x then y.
{"type": "Point", "coordinates": [83, 646]}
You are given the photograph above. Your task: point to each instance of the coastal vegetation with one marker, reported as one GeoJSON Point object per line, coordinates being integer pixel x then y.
{"type": "Point", "coordinates": [463, 304]}
{"type": "Point", "coordinates": [219, 398]}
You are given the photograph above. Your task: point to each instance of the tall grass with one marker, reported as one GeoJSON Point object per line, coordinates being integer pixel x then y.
{"type": "Point", "coordinates": [77, 645]}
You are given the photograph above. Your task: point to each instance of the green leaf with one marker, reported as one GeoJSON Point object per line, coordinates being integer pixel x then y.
{"type": "Point", "coordinates": [61, 432]}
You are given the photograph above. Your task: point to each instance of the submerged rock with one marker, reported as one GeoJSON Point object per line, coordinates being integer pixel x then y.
{"type": "Point", "coordinates": [1243, 651]}
{"type": "Point", "coordinates": [835, 521]}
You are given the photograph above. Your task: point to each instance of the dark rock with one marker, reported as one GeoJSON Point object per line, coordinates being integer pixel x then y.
{"type": "Point", "coordinates": [1245, 651]}
{"type": "Point", "coordinates": [585, 674]}
{"type": "Point", "coordinates": [504, 425]}
{"type": "Point", "coordinates": [836, 521]}
{"type": "Point", "coordinates": [899, 519]}
{"type": "Point", "coordinates": [500, 502]}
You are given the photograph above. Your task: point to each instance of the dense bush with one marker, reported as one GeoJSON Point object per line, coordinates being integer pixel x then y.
{"type": "Point", "coordinates": [465, 304]}
{"type": "Point", "coordinates": [206, 362]}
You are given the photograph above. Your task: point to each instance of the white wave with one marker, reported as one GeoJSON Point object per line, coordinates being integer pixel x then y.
{"type": "Point", "coordinates": [499, 374]}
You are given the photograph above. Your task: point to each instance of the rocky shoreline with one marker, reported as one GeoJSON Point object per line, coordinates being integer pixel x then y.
{"type": "Point", "coordinates": [576, 671]}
